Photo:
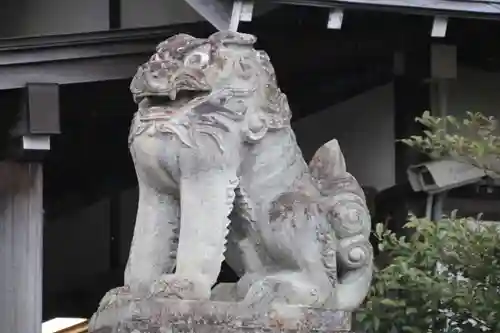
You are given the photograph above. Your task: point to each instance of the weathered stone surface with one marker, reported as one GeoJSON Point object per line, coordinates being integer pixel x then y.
{"type": "Point", "coordinates": [161, 315]}
{"type": "Point", "coordinates": [221, 177]}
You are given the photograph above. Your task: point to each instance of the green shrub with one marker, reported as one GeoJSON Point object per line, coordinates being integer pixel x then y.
{"type": "Point", "coordinates": [472, 140]}
{"type": "Point", "coordinates": [444, 277]}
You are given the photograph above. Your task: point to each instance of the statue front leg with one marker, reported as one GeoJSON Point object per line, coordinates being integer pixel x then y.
{"type": "Point", "coordinates": [154, 245]}
{"type": "Point", "coordinates": [153, 249]}
{"type": "Point", "coordinates": [206, 197]}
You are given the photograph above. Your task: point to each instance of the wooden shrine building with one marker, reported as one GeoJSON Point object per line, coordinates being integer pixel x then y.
{"type": "Point", "coordinates": [357, 70]}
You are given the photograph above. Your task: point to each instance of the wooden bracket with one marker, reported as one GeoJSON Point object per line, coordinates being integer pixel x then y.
{"type": "Point", "coordinates": [220, 15]}
{"type": "Point", "coordinates": [439, 26]}
{"type": "Point", "coordinates": [36, 142]}
{"type": "Point", "coordinates": [335, 18]}
{"type": "Point", "coordinates": [38, 119]}
{"type": "Point", "coordinates": [242, 12]}
{"type": "Point", "coordinates": [216, 12]}
{"type": "Point", "coordinates": [246, 14]}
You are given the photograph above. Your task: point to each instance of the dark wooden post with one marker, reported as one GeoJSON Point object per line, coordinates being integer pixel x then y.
{"type": "Point", "coordinates": [21, 209]}
{"type": "Point", "coordinates": [411, 99]}
{"type": "Point", "coordinates": [21, 234]}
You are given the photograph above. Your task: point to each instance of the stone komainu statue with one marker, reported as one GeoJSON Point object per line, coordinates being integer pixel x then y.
{"type": "Point", "coordinates": [221, 177]}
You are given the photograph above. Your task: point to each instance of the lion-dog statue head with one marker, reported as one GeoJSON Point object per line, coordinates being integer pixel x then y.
{"type": "Point", "coordinates": [188, 69]}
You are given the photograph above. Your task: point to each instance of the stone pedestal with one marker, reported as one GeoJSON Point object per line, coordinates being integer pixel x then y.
{"type": "Point", "coordinates": [161, 315]}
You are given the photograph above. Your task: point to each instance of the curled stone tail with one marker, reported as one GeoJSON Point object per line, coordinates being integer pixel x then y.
{"type": "Point", "coordinates": [349, 219]}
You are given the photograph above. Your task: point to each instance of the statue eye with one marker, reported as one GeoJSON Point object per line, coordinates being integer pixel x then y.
{"type": "Point", "coordinates": [197, 59]}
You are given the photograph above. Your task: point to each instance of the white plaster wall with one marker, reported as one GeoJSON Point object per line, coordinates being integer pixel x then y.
{"type": "Point", "coordinates": [475, 91]}
{"type": "Point", "coordinates": [364, 128]}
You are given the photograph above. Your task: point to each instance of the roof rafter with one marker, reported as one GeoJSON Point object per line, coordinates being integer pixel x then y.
{"type": "Point", "coordinates": [227, 14]}
{"type": "Point", "coordinates": [216, 12]}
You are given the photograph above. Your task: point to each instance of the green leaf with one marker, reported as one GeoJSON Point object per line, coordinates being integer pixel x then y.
{"type": "Point", "coordinates": [389, 302]}
{"type": "Point", "coordinates": [379, 229]}
{"type": "Point", "coordinates": [410, 311]}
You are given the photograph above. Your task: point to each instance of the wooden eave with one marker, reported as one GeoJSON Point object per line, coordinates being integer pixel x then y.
{"type": "Point", "coordinates": [449, 8]}
{"type": "Point", "coordinates": [115, 55]}
{"type": "Point", "coordinates": [84, 57]}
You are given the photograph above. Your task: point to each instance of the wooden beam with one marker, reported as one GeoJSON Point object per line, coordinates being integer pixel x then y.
{"type": "Point", "coordinates": [224, 15]}
{"type": "Point", "coordinates": [21, 233]}
{"type": "Point", "coordinates": [115, 15]}
{"type": "Point", "coordinates": [85, 57]}
{"type": "Point", "coordinates": [443, 69]}
{"type": "Point", "coordinates": [467, 9]}
{"type": "Point", "coordinates": [85, 70]}
{"type": "Point", "coordinates": [216, 12]}
{"type": "Point", "coordinates": [443, 61]}
{"type": "Point", "coordinates": [88, 45]}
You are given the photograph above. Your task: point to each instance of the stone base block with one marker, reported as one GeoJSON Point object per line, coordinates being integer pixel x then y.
{"type": "Point", "coordinates": [161, 315]}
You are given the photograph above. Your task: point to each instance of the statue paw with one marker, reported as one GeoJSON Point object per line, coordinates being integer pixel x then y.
{"type": "Point", "coordinates": [112, 296]}
{"type": "Point", "coordinates": [176, 287]}
{"type": "Point", "coordinates": [284, 289]}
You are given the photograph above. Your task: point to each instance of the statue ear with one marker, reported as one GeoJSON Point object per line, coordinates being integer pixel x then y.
{"type": "Point", "coordinates": [257, 128]}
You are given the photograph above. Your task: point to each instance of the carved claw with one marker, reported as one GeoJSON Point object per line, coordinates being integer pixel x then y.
{"type": "Point", "coordinates": [291, 288]}
{"type": "Point", "coordinates": [176, 287]}
{"type": "Point", "coordinates": [112, 296]}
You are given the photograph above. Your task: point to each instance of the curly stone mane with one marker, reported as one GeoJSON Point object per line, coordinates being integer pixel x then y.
{"type": "Point", "coordinates": [186, 63]}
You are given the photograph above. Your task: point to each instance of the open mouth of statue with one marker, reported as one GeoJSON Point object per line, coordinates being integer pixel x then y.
{"type": "Point", "coordinates": [177, 101]}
